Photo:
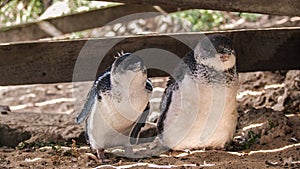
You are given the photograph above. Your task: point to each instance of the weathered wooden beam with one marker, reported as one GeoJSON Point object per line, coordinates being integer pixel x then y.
{"type": "Point", "coordinates": [77, 22]}
{"type": "Point", "coordinates": [60, 61]}
{"type": "Point", "coordinates": [272, 7]}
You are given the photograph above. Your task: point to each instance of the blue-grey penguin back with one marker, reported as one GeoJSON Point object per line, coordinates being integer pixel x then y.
{"type": "Point", "coordinates": [102, 83]}
{"type": "Point", "coordinates": [165, 103]}
{"type": "Point", "coordinates": [87, 108]}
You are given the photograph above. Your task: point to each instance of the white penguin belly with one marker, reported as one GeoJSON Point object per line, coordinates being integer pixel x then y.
{"type": "Point", "coordinates": [107, 127]}
{"type": "Point", "coordinates": [200, 116]}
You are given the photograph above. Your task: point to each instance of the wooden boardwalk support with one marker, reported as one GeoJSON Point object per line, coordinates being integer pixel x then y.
{"type": "Point", "coordinates": [272, 7]}
{"type": "Point", "coordinates": [53, 62]}
{"type": "Point", "coordinates": [100, 17]}
{"type": "Point", "coordinates": [77, 22]}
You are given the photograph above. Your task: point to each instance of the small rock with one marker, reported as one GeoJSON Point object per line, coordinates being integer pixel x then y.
{"type": "Point", "coordinates": [271, 163]}
{"type": "Point", "coordinates": [4, 109]}
{"type": "Point", "coordinates": [294, 139]}
{"type": "Point", "coordinates": [287, 161]}
{"type": "Point", "coordinates": [12, 137]}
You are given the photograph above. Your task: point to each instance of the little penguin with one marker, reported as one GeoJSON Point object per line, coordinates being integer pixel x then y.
{"type": "Point", "coordinates": [198, 107]}
{"type": "Point", "coordinates": [115, 101]}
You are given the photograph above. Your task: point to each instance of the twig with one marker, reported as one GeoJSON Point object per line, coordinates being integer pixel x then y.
{"type": "Point", "coordinates": [4, 3]}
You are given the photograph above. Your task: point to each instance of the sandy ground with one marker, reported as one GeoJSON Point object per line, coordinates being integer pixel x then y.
{"type": "Point", "coordinates": [40, 132]}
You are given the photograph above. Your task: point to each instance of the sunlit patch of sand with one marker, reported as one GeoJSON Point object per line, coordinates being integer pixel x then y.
{"type": "Point", "coordinates": [265, 151]}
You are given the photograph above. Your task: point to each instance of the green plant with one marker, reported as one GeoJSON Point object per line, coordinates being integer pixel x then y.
{"type": "Point", "coordinates": [271, 123]}
{"type": "Point", "coordinates": [250, 16]}
{"type": "Point", "coordinates": [252, 139]}
{"type": "Point", "coordinates": [53, 145]}
{"type": "Point", "coordinates": [201, 19]}
{"type": "Point", "coordinates": [24, 11]}
{"type": "Point", "coordinates": [17, 11]}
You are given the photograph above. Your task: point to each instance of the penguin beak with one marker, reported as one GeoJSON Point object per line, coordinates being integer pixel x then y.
{"type": "Point", "coordinates": [224, 57]}
{"type": "Point", "coordinates": [226, 54]}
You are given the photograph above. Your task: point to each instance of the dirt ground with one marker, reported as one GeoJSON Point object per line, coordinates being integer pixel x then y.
{"type": "Point", "coordinates": [40, 129]}
{"type": "Point", "coordinates": [40, 132]}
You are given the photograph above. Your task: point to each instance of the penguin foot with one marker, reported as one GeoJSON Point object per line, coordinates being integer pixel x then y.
{"type": "Point", "coordinates": [129, 151]}
{"type": "Point", "coordinates": [220, 148]}
{"type": "Point", "coordinates": [172, 153]}
{"type": "Point", "coordinates": [101, 156]}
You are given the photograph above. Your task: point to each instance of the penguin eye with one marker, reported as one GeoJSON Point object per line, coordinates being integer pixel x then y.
{"type": "Point", "coordinates": [225, 51]}
{"type": "Point", "coordinates": [222, 50]}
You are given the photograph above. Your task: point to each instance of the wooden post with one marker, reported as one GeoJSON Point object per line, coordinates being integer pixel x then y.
{"type": "Point", "coordinates": [272, 7]}
{"type": "Point", "coordinates": [53, 62]}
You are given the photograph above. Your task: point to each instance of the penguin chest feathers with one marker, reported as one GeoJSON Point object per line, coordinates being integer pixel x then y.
{"type": "Point", "coordinates": [200, 115]}
{"type": "Point", "coordinates": [113, 116]}
{"type": "Point", "coordinates": [129, 94]}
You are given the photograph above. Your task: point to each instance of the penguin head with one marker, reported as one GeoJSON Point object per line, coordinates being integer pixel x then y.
{"type": "Point", "coordinates": [129, 85]}
{"type": "Point", "coordinates": [129, 68]}
{"type": "Point", "coordinates": [215, 52]}
{"type": "Point", "coordinates": [128, 62]}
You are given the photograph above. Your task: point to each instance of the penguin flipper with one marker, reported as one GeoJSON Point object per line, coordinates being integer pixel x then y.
{"type": "Point", "coordinates": [139, 124]}
{"type": "Point", "coordinates": [172, 86]}
{"type": "Point", "coordinates": [102, 84]}
{"type": "Point", "coordinates": [88, 105]}
{"type": "Point", "coordinates": [149, 85]}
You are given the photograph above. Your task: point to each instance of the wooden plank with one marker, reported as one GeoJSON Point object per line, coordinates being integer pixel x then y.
{"type": "Point", "coordinates": [52, 62]}
{"type": "Point", "coordinates": [76, 22]}
{"type": "Point", "coordinates": [272, 7]}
